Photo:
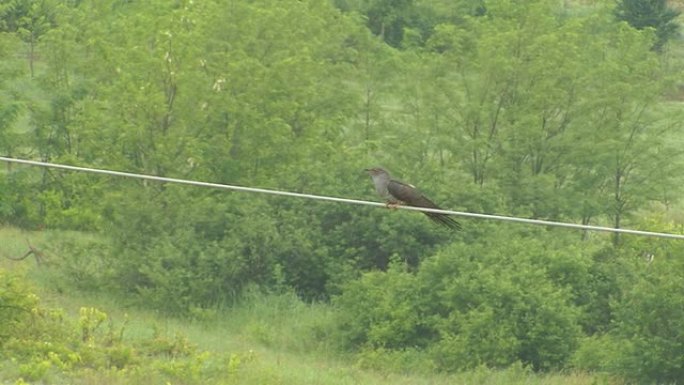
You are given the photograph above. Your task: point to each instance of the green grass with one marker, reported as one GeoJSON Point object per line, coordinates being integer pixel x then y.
{"type": "Point", "coordinates": [265, 339]}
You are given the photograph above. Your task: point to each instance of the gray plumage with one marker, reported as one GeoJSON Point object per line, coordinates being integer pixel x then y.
{"type": "Point", "coordinates": [396, 192]}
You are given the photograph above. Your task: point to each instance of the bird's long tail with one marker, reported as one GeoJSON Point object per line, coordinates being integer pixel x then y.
{"type": "Point", "coordinates": [445, 220]}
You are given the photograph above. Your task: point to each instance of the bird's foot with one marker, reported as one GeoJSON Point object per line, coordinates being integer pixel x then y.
{"type": "Point", "coordinates": [393, 205]}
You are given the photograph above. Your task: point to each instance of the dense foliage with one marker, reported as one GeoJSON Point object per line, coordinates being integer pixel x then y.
{"type": "Point", "coordinates": [44, 345]}
{"type": "Point", "coordinates": [654, 14]}
{"type": "Point", "coordinates": [535, 108]}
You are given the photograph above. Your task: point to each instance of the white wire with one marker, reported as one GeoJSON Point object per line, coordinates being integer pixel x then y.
{"type": "Point", "coordinates": [335, 199]}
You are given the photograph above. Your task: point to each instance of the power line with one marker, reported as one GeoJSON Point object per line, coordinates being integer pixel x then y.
{"type": "Point", "coordinates": [334, 199]}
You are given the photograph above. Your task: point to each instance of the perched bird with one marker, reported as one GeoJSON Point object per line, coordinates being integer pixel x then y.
{"type": "Point", "coordinates": [397, 193]}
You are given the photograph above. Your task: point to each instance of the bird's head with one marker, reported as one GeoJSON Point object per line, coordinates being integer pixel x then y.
{"type": "Point", "coordinates": [376, 171]}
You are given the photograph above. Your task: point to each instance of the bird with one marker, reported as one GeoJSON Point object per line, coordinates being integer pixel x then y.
{"type": "Point", "coordinates": [396, 193]}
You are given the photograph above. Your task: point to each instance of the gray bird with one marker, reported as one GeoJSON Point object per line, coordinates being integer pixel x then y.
{"type": "Point", "coordinates": [396, 193]}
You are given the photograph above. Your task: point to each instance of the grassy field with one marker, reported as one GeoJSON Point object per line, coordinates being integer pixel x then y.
{"type": "Point", "coordinates": [274, 339]}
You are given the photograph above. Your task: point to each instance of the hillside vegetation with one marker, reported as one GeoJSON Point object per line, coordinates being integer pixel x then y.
{"type": "Point", "coordinates": [557, 110]}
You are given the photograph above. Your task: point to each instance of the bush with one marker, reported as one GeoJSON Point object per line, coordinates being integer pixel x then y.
{"type": "Point", "coordinates": [17, 305]}
{"type": "Point", "coordinates": [45, 345]}
{"type": "Point", "coordinates": [485, 304]}
{"type": "Point", "coordinates": [598, 353]}
{"type": "Point", "coordinates": [650, 320]}
{"type": "Point", "coordinates": [198, 255]}
{"type": "Point", "coordinates": [497, 304]}
{"type": "Point", "coordinates": [379, 311]}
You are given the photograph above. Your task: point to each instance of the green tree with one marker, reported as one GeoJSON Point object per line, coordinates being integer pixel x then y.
{"type": "Point", "coordinates": [630, 133]}
{"type": "Point", "coordinates": [407, 24]}
{"type": "Point", "coordinates": [656, 14]}
{"type": "Point", "coordinates": [30, 20]}
{"type": "Point", "coordinates": [386, 19]}
{"type": "Point", "coordinates": [11, 103]}
{"type": "Point", "coordinates": [54, 110]}
{"type": "Point", "coordinates": [513, 99]}
{"type": "Point", "coordinates": [257, 102]}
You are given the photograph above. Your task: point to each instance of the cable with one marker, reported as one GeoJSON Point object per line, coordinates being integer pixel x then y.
{"type": "Point", "coordinates": [335, 199]}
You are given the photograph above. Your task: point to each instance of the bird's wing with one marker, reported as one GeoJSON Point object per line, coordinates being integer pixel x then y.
{"type": "Point", "coordinates": [413, 197]}
{"type": "Point", "coordinates": [409, 195]}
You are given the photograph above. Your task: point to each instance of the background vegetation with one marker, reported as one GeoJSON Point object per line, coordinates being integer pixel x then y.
{"type": "Point", "coordinates": [543, 109]}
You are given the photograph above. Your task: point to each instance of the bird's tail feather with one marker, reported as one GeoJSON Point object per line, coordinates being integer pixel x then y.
{"type": "Point", "coordinates": [445, 220]}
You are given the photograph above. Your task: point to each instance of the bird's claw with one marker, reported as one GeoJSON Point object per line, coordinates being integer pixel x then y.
{"type": "Point", "coordinates": [393, 205]}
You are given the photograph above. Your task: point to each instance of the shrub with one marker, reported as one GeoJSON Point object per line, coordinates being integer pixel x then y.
{"type": "Point", "coordinates": [497, 304]}
{"type": "Point", "coordinates": [46, 346]}
{"type": "Point", "coordinates": [649, 321]}
{"type": "Point", "coordinates": [379, 311]}
{"type": "Point", "coordinates": [491, 304]}
{"type": "Point", "coordinates": [17, 305]}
